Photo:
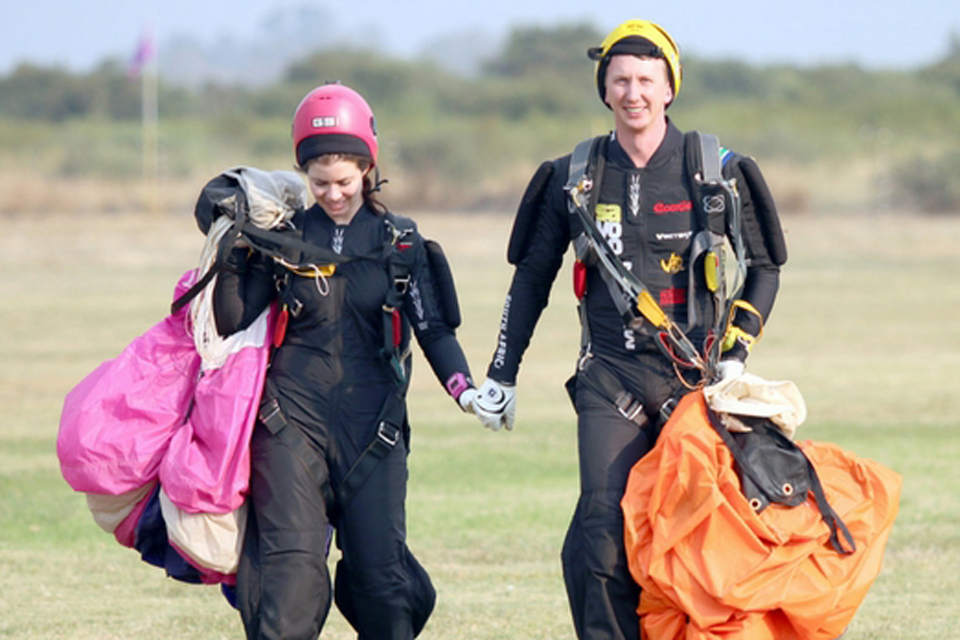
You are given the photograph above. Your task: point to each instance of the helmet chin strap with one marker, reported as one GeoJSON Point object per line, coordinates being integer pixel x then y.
{"type": "Point", "coordinates": [377, 181]}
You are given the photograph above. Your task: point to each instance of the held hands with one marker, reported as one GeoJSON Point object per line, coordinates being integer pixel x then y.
{"type": "Point", "coordinates": [494, 404]}
{"type": "Point", "coordinates": [466, 400]}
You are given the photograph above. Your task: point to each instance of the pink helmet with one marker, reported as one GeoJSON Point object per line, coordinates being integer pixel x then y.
{"type": "Point", "coordinates": [334, 119]}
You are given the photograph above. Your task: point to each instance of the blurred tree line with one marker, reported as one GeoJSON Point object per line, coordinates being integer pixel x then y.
{"type": "Point", "coordinates": [886, 139]}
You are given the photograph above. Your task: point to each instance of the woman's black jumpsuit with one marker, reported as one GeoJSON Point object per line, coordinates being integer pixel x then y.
{"type": "Point", "coordinates": [330, 379]}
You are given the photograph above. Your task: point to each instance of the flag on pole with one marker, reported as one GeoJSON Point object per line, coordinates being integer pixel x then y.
{"type": "Point", "coordinates": [144, 53]}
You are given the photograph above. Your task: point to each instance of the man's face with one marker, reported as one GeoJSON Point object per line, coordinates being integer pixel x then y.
{"type": "Point", "coordinates": [638, 91]}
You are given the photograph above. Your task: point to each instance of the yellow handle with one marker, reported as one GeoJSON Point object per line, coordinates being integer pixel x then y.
{"type": "Point", "coordinates": [651, 310]}
{"type": "Point", "coordinates": [735, 334]}
{"type": "Point", "coordinates": [711, 271]}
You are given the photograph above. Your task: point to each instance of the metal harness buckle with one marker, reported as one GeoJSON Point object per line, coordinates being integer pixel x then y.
{"type": "Point", "coordinates": [272, 416]}
{"type": "Point", "coordinates": [388, 433]}
{"type": "Point", "coordinates": [628, 406]}
{"type": "Point", "coordinates": [401, 283]}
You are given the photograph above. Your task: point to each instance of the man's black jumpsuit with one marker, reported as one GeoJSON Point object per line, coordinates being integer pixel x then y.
{"type": "Point", "coordinates": [646, 216]}
{"type": "Point", "coordinates": [331, 380]}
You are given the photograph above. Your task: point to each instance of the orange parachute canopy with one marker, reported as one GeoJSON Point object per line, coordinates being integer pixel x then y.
{"type": "Point", "coordinates": [712, 568]}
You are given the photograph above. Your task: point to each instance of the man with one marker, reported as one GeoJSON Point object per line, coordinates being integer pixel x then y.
{"type": "Point", "coordinates": [642, 196]}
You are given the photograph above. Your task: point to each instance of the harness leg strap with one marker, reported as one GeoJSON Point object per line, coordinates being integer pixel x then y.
{"type": "Point", "coordinates": [271, 415]}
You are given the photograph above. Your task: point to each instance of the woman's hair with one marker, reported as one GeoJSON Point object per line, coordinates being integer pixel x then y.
{"type": "Point", "coordinates": [371, 181]}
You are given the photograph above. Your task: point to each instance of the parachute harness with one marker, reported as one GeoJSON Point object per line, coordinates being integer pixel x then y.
{"type": "Point", "coordinates": [715, 195]}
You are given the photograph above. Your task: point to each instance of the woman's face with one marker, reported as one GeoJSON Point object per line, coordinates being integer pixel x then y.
{"type": "Point", "coordinates": [337, 186]}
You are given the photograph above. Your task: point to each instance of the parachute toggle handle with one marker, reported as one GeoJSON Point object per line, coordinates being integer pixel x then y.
{"type": "Point", "coordinates": [735, 334]}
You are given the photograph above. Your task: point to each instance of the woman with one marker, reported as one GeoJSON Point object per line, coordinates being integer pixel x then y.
{"type": "Point", "coordinates": [335, 387]}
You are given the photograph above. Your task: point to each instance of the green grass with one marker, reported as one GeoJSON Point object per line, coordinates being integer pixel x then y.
{"type": "Point", "coordinates": [865, 325]}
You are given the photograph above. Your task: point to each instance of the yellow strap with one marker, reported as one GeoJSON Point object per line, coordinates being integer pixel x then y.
{"type": "Point", "coordinates": [735, 334]}
{"type": "Point", "coordinates": [651, 310]}
{"type": "Point", "coordinates": [313, 270]}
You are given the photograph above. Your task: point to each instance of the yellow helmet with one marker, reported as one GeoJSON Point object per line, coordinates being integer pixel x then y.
{"type": "Point", "coordinates": [638, 37]}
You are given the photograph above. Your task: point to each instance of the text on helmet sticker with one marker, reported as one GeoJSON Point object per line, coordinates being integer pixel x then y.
{"type": "Point", "coordinates": [322, 122]}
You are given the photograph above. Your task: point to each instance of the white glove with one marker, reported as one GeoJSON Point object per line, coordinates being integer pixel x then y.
{"type": "Point", "coordinates": [467, 399]}
{"type": "Point", "coordinates": [729, 369]}
{"type": "Point", "coordinates": [496, 405]}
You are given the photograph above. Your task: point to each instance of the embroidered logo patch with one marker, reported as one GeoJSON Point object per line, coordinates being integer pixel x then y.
{"type": "Point", "coordinates": [673, 264]}
{"type": "Point", "coordinates": [608, 213]}
{"type": "Point", "coordinates": [714, 204]}
{"type": "Point", "coordinates": [662, 208]}
{"type": "Point", "coordinates": [673, 297]}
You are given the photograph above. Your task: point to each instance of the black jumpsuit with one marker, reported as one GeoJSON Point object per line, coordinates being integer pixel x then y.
{"type": "Point", "coordinates": [331, 380]}
{"type": "Point", "coordinates": [647, 218]}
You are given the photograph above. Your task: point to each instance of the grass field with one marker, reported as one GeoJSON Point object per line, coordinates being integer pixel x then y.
{"type": "Point", "coordinates": [866, 325]}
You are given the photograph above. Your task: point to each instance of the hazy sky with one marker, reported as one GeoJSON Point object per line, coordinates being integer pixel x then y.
{"type": "Point", "coordinates": [78, 34]}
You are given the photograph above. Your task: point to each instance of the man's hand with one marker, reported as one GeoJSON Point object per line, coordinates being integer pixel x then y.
{"type": "Point", "coordinates": [729, 369]}
{"type": "Point", "coordinates": [496, 405]}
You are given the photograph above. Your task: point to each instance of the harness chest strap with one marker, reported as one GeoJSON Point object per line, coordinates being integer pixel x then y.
{"type": "Point", "coordinates": [398, 268]}
{"type": "Point", "coordinates": [717, 208]}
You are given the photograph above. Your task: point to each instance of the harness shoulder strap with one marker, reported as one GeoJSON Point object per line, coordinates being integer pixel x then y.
{"type": "Point", "coordinates": [709, 156]}
{"type": "Point", "coordinates": [400, 256]}
{"type": "Point", "coordinates": [400, 239]}
{"type": "Point", "coordinates": [580, 160]}
{"type": "Point", "coordinates": [581, 173]}
{"type": "Point", "coordinates": [629, 294]}
{"type": "Point", "coordinates": [631, 297]}
{"type": "Point", "coordinates": [717, 208]}
{"type": "Point", "coordinates": [587, 163]}
{"type": "Point", "coordinates": [702, 156]}
{"type": "Point", "coordinates": [392, 422]}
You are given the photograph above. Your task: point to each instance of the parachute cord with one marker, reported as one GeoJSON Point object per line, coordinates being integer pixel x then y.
{"type": "Point", "coordinates": [701, 382]}
{"type": "Point", "coordinates": [323, 285]}
{"type": "Point", "coordinates": [202, 324]}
